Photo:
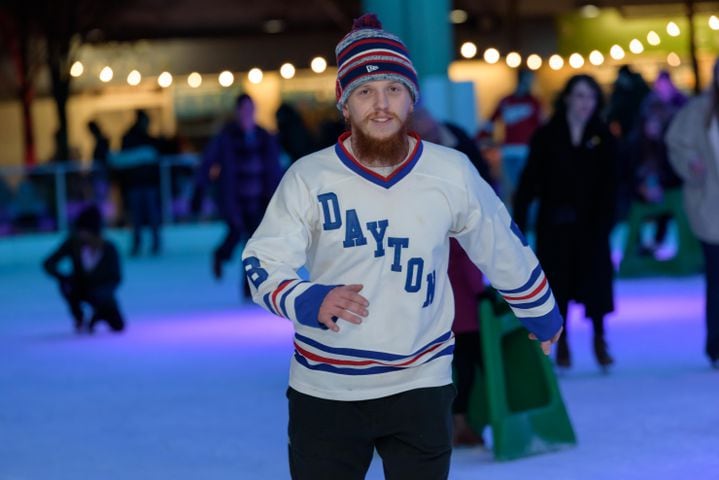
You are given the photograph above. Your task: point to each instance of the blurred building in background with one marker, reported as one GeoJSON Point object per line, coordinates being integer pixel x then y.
{"type": "Point", "coordinates": [64, 64]}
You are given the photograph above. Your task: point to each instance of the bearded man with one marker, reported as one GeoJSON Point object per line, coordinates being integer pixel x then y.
{"type": "Point", "coordinates": [370, 219]}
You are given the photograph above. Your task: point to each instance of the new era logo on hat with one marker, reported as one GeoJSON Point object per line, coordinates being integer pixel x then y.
{"type": "Point", "coordinates": [369, 53]}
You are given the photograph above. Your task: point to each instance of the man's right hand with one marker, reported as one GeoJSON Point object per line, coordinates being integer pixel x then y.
{"type": "Point", "coordinates": [343, 302]}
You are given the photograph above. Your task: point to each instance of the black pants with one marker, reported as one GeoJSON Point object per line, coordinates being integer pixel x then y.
{"type": "Point", "coordinates": [711, 264]}
{"type": "Point", "coordinates": [100, 298]}
{"type": "Point", "coordinates": [662, 222]}
{"type": "Point", "coordinates": [332, 440]}
{"type": "Point", "coordinates": [145, 210]}
{"type": "Point", "coordinates": [467, 358]}
{"type": "Point", "coordinates": [597, 324]}
{"type": "Point", "coordinates": [240, 227]}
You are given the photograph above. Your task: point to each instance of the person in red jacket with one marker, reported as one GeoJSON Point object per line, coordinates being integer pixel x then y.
{"type": "Point", "coordinates": [521, 114]}
{"type": "Point", "coordinates": [467, 284]}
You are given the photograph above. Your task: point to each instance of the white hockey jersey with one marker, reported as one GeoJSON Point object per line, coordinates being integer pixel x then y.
{"type": "Point", "coordinates": [348, 225]}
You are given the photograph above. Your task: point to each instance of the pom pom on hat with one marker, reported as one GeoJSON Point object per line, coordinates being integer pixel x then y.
{"type": "Point", "coordinates": [368, 20]}
{"type": "Point", "coordinates": [369, 53]}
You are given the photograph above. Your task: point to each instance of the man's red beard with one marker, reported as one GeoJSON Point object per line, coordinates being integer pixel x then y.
{"type": "Point", "coordinates": [381, 152]}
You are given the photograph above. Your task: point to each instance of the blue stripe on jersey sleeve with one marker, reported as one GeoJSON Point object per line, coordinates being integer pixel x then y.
{"type": "Point", "coordinates": [266, 299]}
{"type": "Point", "coordinates": [532, 278]}
{"type": "Point", "coordinates": [545, 326]}
{"type": "Point", "coordinates": [536, 303]}
{"type": "Point", "coordinates": [283, 299]}
{"type": "Point", "coordinates": [307, 305]}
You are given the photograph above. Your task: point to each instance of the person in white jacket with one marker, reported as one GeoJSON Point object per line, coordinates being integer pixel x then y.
{"type": "Point", "coordinates": [370, 218]}
{"type": "Point", "coordinates": [693, 143]}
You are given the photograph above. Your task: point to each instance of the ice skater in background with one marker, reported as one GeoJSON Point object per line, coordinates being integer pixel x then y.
{"type": "Point", "coordinates": [571, 172]}
{"type": "Point", "coordinates": [94, 276]}
{"type": "Point", "coordinates": [521, 114]}
{"type": "Point", "coordinates": [371, 219]}
{"type": "Point", "coordinates": [467, 287]}
{"type": "Point", "coordinates": [693, 141]}
{"type": "Point", "coordinates": [243, 159]}
{"type": "Point", "coordinates": [138, 169]}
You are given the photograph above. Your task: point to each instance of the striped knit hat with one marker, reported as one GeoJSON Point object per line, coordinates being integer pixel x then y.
{"type": "Point", "coordinates": [369, 53]}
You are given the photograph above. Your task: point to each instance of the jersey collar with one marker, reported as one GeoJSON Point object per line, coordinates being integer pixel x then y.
{"type": "Point", "coordinates": [397, 174]}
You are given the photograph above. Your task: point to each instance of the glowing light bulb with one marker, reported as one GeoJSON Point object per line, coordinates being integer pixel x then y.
{"type": "Point", "coordinates": [77, 69]}
{"type": "Point", "coordinates": [134, 78]}
{"type": "Point", "coordinates": [635, 46]}
{"type": "Point", "coordinates": [589, 11]}
{"type": "Point", "coordinates": [616, 52]}
{"type": "Point", "coordinates": [513, 59]}
{"type": "Point", "coordinates": [576, 60]}
{"type": "Point", "coordinates": [106, 74]}
{"type": "Point", "coordinates": [255, 75]}
{"type": "Point", "coordinates": [556, 62]}
{"type": "Point", "coordinates": [318, 65]}
{"type": "Point", "coordinates": [226, 78]}
{"type": "Point", "coordinates": [287, 71]}
{"type": "Point", "coordinates": [673, 60]}
{"type": "Point", "coordinates": [194, 80]}
{"type": "Point", "coordinates": [165, 79]}
{"type": "Point", "coordinates": [653, 38]}
{"type": "Point", "coordinates": [458, 16]}
{"type": "Point", "coordinates": [534, 62]}
{"type": "Point", "coordinates": [491, 55]}
{"type": "Point", "coordinates": [596, 58]}
{"type": "Point", "coordinates": [468, 50]}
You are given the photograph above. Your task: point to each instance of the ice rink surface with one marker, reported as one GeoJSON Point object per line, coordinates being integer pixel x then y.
{"type": "Point", "coordinates": [195, 388]}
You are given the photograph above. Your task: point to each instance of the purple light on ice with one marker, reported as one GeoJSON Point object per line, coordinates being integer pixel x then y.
{"type": "Point", "coordinates": [244, 328]}
{"type": "Point", "coordinates": [642, 309]}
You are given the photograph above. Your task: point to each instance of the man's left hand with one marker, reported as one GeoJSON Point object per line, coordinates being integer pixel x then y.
{"type": "Point", "coordinates": [547, 344]}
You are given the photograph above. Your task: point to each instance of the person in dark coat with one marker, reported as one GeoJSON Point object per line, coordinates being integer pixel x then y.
{"type": "Point", "coordinates": [625, 102]}
{"type": "Point", "coordinates": [101, 149]}
{"type": "Point", "coordinates": [571, 172]}
{"type": "Point", "coordinates": [693, 143]}
{"type": "Point", "coordinates": [95, 273]}
{"type": "Point", "coordinates": [100, 154]}
{"type": "Point", "coordinates": [645, 154]}
{"type": "Point", "coordinates": [622, 114]}
{"type": "Point", "coordinates": [139, 171]}
{"type": "Point", "coordinates": [294, 137]}
{"type": "Point", "coordinates": [243, 159]}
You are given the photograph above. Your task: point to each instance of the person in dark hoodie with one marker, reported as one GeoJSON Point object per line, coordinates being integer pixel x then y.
{"type": "Point", "coordinates": [243, 159]}
{"type": "Point", "coordinates": [94, 276]}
